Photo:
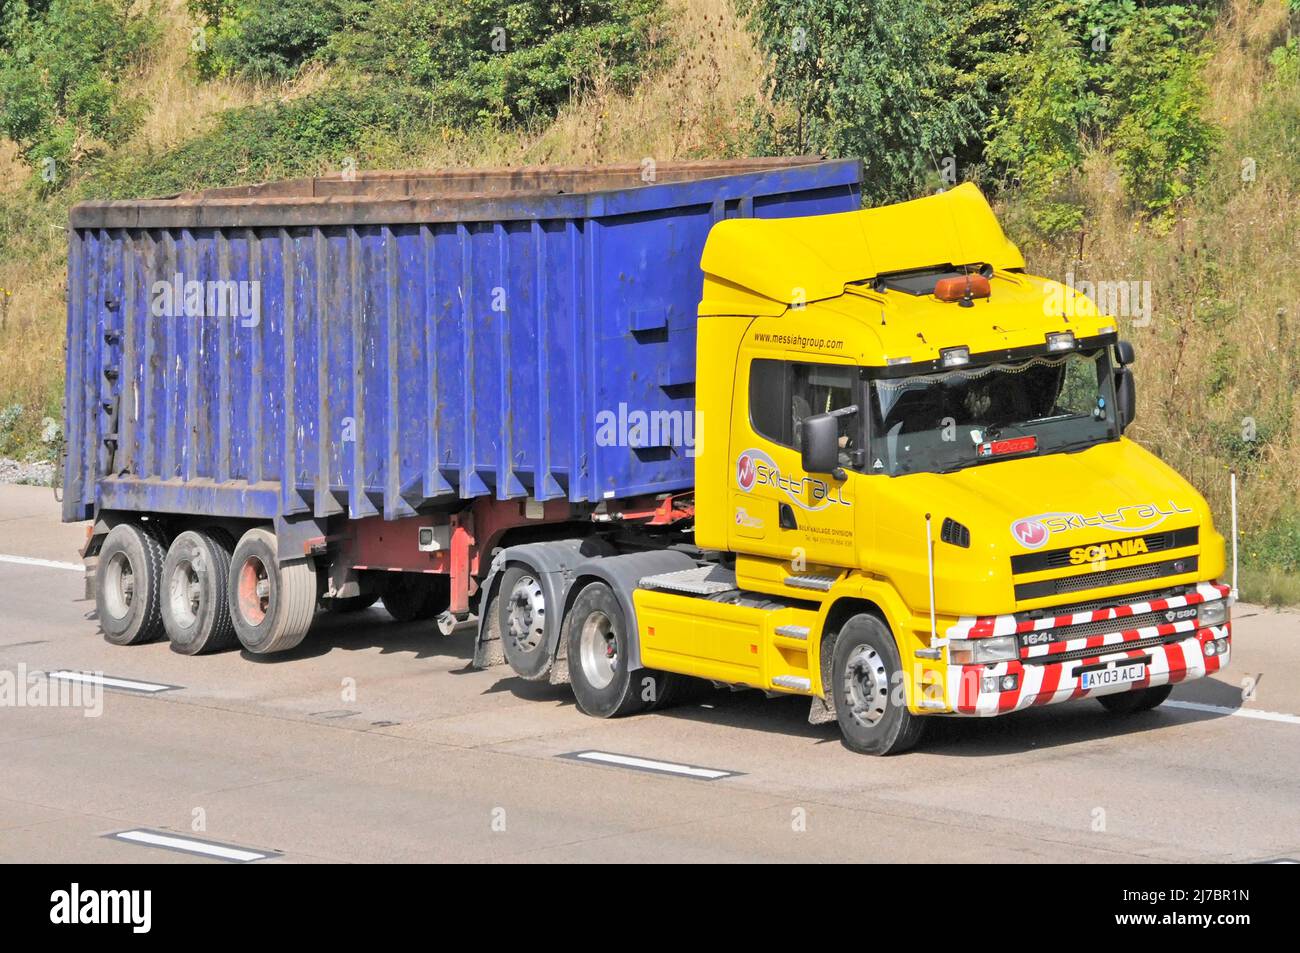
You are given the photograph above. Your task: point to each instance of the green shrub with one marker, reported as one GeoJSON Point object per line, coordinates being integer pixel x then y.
{"type": "Point", "coordinates": [60, 66]}
{"type": "Point", "coordinates": [257, 143]}
{"type": "Point", "coordinates": [498, 61]}
{"type": "Point", "coordinates": [873, 81]}
{"type": "Point", "coordinates": [263, 40]}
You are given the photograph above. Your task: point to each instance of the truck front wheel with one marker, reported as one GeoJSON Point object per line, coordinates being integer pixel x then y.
{"type": "Point", "coordinates": [271, 603]}
{"type": "Point", "coordinates": [870, 704]}
{"type": "Point", "coordinates": [597, 647]}
{"type": "Point", "coordinates": [128, 583]}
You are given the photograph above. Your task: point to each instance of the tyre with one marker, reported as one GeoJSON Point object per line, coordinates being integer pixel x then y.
{"type": "Point", "coordinates": [128, 584]}
{"type": "Point", "coordinates": [350, 603]}
{"type": "Point", "coordinates": [597, 648]}
{"type": "Point", "coordinates": [521, 614]}
{"type": "Point", "coordinates": [409, 596]}
{"type": "Point", "coordinates": [1142, 699]}
{"type": "Point", "coordinates": [195, 608]}
{"type": "Point", "coordinates": [271, 603]}
{"type": "Point", "coordinates": [864, 669]}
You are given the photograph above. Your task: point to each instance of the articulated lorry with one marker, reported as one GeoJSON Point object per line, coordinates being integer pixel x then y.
{"type": "Point", "coordinates": [707, 420]}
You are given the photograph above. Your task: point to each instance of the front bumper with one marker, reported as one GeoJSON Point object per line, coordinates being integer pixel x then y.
{"type": "Point", "coordinates": [1173, 652]}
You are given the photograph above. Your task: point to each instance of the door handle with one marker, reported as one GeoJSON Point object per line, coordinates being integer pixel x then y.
{"type": "Point", "coordinates": [785, 516]}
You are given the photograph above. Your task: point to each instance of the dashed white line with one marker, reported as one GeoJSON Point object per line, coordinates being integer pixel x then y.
{"type": "Point", "coordinates": [649, 764]}
{"type": "Point", "coordinates": [44, 563]}
{"type": "Point", "coordinates": [111, 681]}
{"type": "Point", "coordinates": [1278, 716]}
{"type": "Point", "coordinates": [188, 845]}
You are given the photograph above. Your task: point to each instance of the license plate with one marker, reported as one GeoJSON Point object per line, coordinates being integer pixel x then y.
{"type": "Point", "coordinates": [1115, 675]}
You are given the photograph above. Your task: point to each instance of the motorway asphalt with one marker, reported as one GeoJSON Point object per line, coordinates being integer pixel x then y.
{"type": "Point", "coordinates": [375, 741]}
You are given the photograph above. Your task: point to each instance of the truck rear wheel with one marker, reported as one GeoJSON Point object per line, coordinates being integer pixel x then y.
{"type": "Point", "coordinates": [195, 609]}
{"type": "Point", "coordinates": [1143, 699]}
{"type": "Point", "coordinates": [409, 596]}
{"type": "Point", "coordinates": [865, 668]}
{"type": "Point", "coordinates": [128, 584]}
{"type": "Point", "coordinates": [521, 613]}
{"type": "Point", "coordinates": [597, 648]}
{"type": "Point", "coordinates": [271, 603]}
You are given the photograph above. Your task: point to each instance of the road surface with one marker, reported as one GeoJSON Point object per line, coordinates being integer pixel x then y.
{"type": "Point", "coordinates": [375, 741]}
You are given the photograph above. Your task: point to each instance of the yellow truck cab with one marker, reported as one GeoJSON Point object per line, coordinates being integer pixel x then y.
{"type": "Point", "coordinates": [915, 486]}
{"type": "Point", "coordinates": [913, 498]}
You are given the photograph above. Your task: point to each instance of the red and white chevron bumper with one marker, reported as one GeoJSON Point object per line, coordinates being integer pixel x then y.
{"type": "Point", "coordinates": [1049, 671]}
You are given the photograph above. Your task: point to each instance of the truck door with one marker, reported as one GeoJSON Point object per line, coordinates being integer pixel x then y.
{"type": "Point", "coordinates": [777, 509]}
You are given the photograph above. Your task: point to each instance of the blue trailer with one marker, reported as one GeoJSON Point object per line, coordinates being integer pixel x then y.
{"type": "Point", "coordinates": [326, 391]}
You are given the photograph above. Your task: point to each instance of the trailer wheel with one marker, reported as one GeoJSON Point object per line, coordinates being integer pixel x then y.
{"type": "Point", "coordinates": [195, 609]}
{"type": "Point", "coordinates": [520, 604]}
{"type": "Point", "coordinates": [865, 669]}
{"type": "Point", "coordinates": [271, 603]}
{"type": "Point", "coordinates": [1131, 702]}
{"type": "Point", "coordinates": [596, 645]}
{"type": "Point", "coordinates": [128, 583]}
{"type": "Point", "coordinates": [409, 596]}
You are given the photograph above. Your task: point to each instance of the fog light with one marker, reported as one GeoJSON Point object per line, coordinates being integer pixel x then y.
{"type": "Point", "coordinates": [1222, 645]}
{"type": "Point", "coordinates": [988, 684]}
{"type": "Point", "coordinates": [1009, 683]}
{"type": "Point", "coordinates": [1211, 648]}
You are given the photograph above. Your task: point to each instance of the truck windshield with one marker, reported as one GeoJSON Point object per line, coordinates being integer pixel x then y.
{"type": "Point", "coordinates": [981, 414]}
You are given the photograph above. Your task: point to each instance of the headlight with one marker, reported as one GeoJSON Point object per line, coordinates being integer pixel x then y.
{"type": "Point", "coordinates": [1212, 613]}
{"type": "Point", "coordinates": [980, 651]}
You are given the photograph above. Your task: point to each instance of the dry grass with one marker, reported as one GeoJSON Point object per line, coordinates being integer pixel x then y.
{"type": "Point", "coordinates": [1222, 350]}
{"type": "Point", "coordinates": [1236, 75]}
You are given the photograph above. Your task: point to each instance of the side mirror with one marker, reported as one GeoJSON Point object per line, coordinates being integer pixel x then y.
{"type": "Point", "coordinates": [1123, 353]}
{"type": "Point", "coordinates": [820, 442]}
{"type": "Point", "coordinates": [1125, 398]}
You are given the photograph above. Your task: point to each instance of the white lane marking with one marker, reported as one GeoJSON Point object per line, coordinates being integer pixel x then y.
{"type": "Point", "coordinates": [648, 764]}
{"type": "Point", "coordinates": [45, 563]}
{"type": "Point", "coordinates": [190, 846]}
{"type": "Point", "coordinates": [110, 681]}
{"type": "Point", "coordinates": [1278, 716]}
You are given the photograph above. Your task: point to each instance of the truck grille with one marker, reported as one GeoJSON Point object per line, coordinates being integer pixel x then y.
{"type": "Point", "coordinates": [1108, 577]}
{"type": "Point", "coordinates": [1077, 654]}
{"type": "Point", "coordinates": [1124, 624]}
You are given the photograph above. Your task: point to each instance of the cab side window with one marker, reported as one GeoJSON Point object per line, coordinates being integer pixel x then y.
{"type": "Point", "coordinates": [783, 393]}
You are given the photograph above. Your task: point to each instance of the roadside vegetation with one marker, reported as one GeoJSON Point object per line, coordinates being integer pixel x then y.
{"type": "Point", "coordinates": [1149, 145]}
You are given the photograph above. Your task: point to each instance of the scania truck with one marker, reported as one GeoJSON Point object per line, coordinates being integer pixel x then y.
{"type": "Point", "coordinates": [640, 425]}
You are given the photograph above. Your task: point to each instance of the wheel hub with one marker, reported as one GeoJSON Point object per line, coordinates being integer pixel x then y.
{"type": "Point", "coordinates": [526, 614]}
{"type": "Point", "coordinates": [254, 591]}
{"type": "Point", "coordinates": [119, 586]}
{"type": "Point", "coordinates": [598, 650]}
{"type": "Point", "coordinates": [183, 593]}
{"type": "Point", "coordinates": [866, 686]}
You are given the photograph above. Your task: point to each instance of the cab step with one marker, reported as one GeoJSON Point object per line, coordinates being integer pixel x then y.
{"type": "Point", "coordinates": [820, 583]}
{"type": "Point", "coordinates": [799, 633]}
{"type": "Point", "coordinates": [796, 682]}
